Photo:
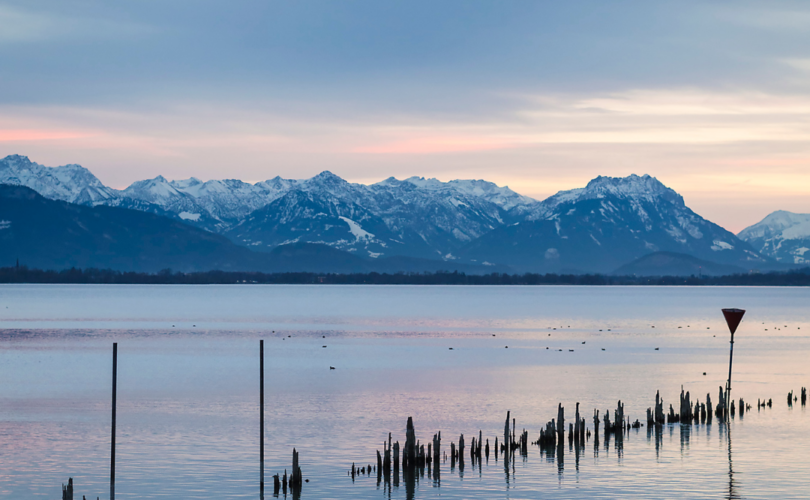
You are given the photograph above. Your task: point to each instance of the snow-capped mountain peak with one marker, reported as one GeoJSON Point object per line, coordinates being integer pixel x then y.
{"type": "Point", "coordinates": [156, 190]}
{"type": "Point", "coordinates": [501, 196]}
{"type": "Point", "coordinates": [785, 236]}
{"type": "Point", "coordinates": [781, 223]}
{"type": "Point", "coordinates": [72, 183]}
{"type": "Point", "coordinates": [644, 187]}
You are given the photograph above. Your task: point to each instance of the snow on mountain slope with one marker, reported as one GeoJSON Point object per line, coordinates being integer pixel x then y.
{"type": "Point", "coordinates": [782, 235]}
{"type": "Point", "coordinates": [405, 219]}
{"type": "Point", "coordinates": [71, 183]}
{"type": "Point", "coordinates": [501, 196]}
{"type": "Point", "coordinates": [639, 188]}
{"type": "Point", "coordinates": [605, 225]}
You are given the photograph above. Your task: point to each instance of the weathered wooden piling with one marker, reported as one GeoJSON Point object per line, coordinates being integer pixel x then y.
{"type": "Point", "coordinates": [276, 484]}
{"type": "Point", "coordinates": [409, 453]}
{"type": "Point", "coordinates": [685, 412]}
{"type": "Point", "coordinates": [396, 458]}
{"type": "Point", "coordinates": [560, 422]}
{"type": "Point", "coordinates": [804, 396]}
{"type": "Point", "coordinates": [114, 403]}
{"type": "Point", "coordinates": [658, 413]}
{"type": "Point", "coordinates": [461, 450]}
{"type": "Point", "coordinates": [524, 442]}
{"type": "Point", "coordinates": [722, 407]}
{"type": "Point", "coordinates": [790, 398]}
{"type": "Point", "coordinates": [437, 442]}
{"type": "Point", "coordinates": [387, 458]}
{"type": "Point", "coordinates": [512, 442]}
{"type": "Point", "coordinates": [486, 450]}
{"type": "Point", "coordinates": [709, 408]}
{"type": "Point", "coordinates": [618, 417]}
{"type": "Point", "coordinates": [742, 408]}
{"type": "Point", "coordinates": [67, 490]}
{"type": "Point", "coordinates": [295, 480]}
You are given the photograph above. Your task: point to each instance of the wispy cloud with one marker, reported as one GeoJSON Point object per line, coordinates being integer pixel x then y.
{"type": "Point", "coordinates": [28, 26]}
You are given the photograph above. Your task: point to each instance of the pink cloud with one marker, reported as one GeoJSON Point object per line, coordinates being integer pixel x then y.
{"type": "Point", "coordinates": [8, 135]}
{"type": "Point", "coordinates": [433, 145]}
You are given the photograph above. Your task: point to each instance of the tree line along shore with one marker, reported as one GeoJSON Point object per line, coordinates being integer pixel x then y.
{"type": "Point", "coordinates": [24, 274]}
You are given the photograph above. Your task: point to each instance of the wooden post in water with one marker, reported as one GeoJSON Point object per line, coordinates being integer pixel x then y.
{"type": "Point", "coordinates": [261, 418]}
{"type": "Point", "coordinates": [114, 396]}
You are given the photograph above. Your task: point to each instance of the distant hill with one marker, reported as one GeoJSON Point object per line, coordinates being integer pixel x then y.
{"type": "Point", "coordinates": [675, 264]}
{"type": "Point", "coordinates": [53, 234]}
{"type": "Point", "coordinates": [783, 236]}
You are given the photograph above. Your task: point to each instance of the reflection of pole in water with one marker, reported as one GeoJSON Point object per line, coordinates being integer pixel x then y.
{"type": "Point", "coordinates": [732, 494]}
{"type": "Point", "coordinates": [560, 457]}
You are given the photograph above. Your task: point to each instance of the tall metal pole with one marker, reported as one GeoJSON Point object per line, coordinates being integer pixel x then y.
{"type": "Point", "coordinates": [112, 446]}
{"type": "Point", "coordinates": [261, 417]}
{"type": "Point", "coordinates": [733, 318]}
{"type": "Point", "coordinates": [728, 384]}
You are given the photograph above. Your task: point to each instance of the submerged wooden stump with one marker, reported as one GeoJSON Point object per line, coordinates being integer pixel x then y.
{"type": "Point", "coordinates": [67, 490]}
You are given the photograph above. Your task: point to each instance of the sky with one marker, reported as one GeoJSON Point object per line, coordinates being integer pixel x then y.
{"type": "Point", "coordinates": [712, 98]}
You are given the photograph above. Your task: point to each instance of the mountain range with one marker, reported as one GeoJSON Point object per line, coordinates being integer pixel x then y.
{"type": "Point", "coordinates": [470, 224]}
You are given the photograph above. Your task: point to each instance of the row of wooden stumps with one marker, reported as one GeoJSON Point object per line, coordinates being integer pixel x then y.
{"type": "Point", "coordinates": [551, 437]}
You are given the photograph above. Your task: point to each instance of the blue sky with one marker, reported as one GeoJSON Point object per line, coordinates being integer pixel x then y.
{"type": "Point", "coordinates": [710, 97]}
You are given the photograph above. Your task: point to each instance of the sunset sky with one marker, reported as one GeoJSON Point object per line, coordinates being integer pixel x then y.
{"type": "Point", "coordinates": [712, 98]}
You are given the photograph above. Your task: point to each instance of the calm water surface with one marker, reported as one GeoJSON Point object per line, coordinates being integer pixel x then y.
{"type": "Point", "coordinates": [188, 387]}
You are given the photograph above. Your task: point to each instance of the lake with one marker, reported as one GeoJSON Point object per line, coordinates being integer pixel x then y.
{"type": "Point", "coordinates": [188, 387]}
